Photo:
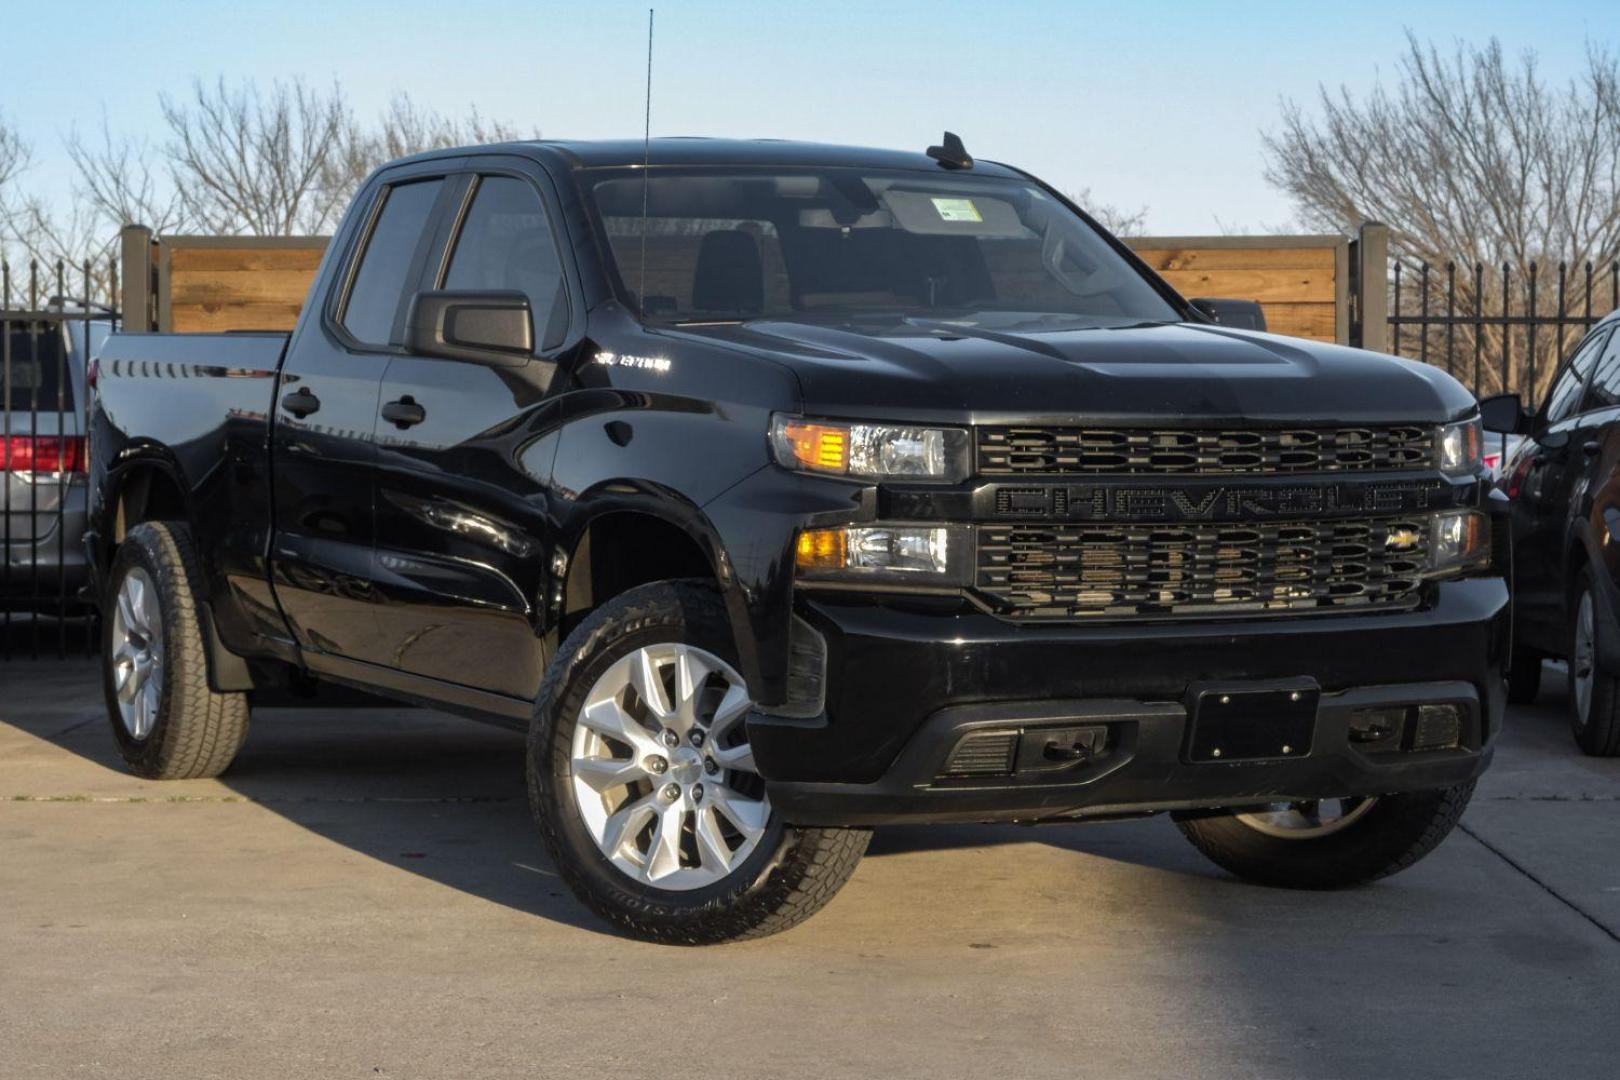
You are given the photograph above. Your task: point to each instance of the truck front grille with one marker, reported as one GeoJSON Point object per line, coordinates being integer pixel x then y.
{"type": "Point", "coordinates": [1075, 571]}
{"type": "Point", "coordinates": [1013, 451]}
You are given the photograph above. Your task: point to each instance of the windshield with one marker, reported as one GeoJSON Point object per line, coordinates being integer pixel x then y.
{"type": "Point", "coordinates": [735, 243]}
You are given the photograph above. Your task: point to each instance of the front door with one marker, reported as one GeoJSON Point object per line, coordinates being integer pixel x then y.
{"type": "Point", "coordinates": [1544, 505]}
{"type": "Point", "coordinates": [323, 449]}
{"type": "Point", "coordinates": [464, 542]}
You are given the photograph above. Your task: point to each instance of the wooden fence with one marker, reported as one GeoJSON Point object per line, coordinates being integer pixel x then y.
{"type": "Point", "coordinates": [214, 283]}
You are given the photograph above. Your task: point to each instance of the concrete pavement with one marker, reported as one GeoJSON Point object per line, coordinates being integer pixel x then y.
{"type": "Point", "coordinates": [363, 896]}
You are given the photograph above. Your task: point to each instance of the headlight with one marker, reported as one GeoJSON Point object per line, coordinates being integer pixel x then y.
{"type": "Point", "coordinates": [870, 451]}
{"type": "Point", "coordinates": [1462, 446]}
{"type": "Point", "coordinates": [1460, 540]}
{"type": "Point", "coordinates": [927, 555]}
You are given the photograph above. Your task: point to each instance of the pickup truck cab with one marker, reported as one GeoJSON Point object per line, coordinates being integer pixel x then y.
{"type": "Point", "coordinates": [781, 491]}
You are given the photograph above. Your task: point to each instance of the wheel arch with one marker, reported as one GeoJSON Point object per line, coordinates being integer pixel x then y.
{"type": "Point", "coordinates": [626, 536]}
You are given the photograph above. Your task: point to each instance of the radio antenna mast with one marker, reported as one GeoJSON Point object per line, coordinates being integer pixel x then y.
{"type": "Point", "coordinates": [646, 160]}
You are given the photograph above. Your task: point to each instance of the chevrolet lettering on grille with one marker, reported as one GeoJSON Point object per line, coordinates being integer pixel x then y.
{"type": "Point", "coordinates": [1181, 503]}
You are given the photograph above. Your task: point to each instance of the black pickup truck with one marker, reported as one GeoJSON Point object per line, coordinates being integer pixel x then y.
{"type": "Point", "coordinates": [780, 491]}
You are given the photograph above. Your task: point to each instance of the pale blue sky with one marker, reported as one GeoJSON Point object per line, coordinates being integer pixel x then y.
{"type": "Point", "coordinates": [1152, 103]}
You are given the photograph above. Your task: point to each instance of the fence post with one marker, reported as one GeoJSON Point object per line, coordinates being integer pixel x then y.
{"type": "Point", "coordinates": [1372, 281]}
{"type": "Point", "coordinates": [135, 250]}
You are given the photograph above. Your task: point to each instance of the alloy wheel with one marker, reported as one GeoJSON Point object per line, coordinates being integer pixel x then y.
{"type": "Point", "coordinates": [661, 770]}
{"type": "Point", "coordinates": [1308, 819]}
{"type": "Point", "coordinates": [1583, 663]}
{"type": "Point", "coordinates": [137, 653]}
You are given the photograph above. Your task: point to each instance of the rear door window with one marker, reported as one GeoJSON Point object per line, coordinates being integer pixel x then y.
{"type": "Point", "coordinates": [385, 266]}
{"type": "Point", "coordinates": [39, 375]}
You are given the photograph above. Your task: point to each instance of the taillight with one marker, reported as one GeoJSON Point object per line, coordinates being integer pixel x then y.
{"type": "Point", "coordinates": [92, 373]}
{"type": "Point", "coordinates": [1521, 469]}
{"type": "Point", "coordinates": [42, 454]}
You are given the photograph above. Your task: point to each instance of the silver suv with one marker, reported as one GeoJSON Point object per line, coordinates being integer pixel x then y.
{"type": "Point", "coordinates": [43, 360]}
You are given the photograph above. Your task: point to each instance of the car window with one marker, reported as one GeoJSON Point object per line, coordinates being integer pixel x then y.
{"type": "Point", "coordinates": [505, 244]}
{"type": "Point", "coordinates": [1565, 395]}
{"type": "Point", "coordinates": [379, 283]}
{"type": "Point", "coordinates": [37, 365]}
{"type": "Point", "coordinates": [1604, 391]}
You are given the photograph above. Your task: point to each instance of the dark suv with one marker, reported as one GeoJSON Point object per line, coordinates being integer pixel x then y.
{"type": "Point", "coordinates": [1564, 483]}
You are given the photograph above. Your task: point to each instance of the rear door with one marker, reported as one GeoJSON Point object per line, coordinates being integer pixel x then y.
{"type": "Point", "coordinates": [463, 538]}
{"type": "Point", "coordinates": [323, 449]}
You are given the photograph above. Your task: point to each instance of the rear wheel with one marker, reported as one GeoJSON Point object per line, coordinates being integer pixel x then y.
{"type": "Point", "coordinates": [644, 786]}
{"type": "Point", "coordinates": [169, 722]}
{"type": "Point", "coordinates": [1327, 843]}
{"type": "Point", "coordinates": [1594, 694]}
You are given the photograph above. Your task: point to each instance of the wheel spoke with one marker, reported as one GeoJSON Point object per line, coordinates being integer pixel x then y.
{"type": "Point", "coordinates": [649, 684]}
{"type": "Point", "coordinates": [740, 758]}
{"type": "Point", "coordinates": [664, 855]}
{"type": "Point", "coordinates": [691, 672]}
{"type": "Point", "coordinates": [604, 774]}
{"type": "Point", "coordinates": [732, 708]}
{"type": "Point", "coordinates": [748, 815]}
{"type": "Point", "coordinates": [623, 824]}
{"type": "Point", "coordinates": [605, 717]}
{"type": "Point", "coordinates": [712, 847]}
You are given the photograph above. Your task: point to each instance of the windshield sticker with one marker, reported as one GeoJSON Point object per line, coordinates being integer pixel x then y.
{"type": "Point", "coordinates": [956, 210]}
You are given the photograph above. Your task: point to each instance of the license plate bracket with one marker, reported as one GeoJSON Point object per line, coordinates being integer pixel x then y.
{"type": "Point", "coordinates": [1252, 721]}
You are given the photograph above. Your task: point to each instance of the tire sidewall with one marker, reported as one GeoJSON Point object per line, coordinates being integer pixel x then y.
{"type": "Point", "coordinates": [136, 551]}
{"type": "Point", "coordinates": [648, 616]}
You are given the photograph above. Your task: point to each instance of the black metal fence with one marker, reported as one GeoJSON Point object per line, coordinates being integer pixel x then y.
{"type": "Point", "coordinates": [52, 320]}
{"type": "Point", "coordinates": [1497, 328]}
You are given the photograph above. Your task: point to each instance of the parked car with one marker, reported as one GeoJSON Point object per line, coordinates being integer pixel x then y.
{"type": "Point", "coordinates": [1499, 451]}
{"type": "Point", "coordinates": [43, 359]}
{"type": "Point", "coordinates": [782, 491]}
{"type": "Point", "coordinates": [1564, 485]}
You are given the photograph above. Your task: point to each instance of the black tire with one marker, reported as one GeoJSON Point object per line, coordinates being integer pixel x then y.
{"type": "Point", "coordinates": [791, 874]}
{"type": "Point", "coordinates": [197, 730]}
{"type": "Point", "coordinates": [1394, 833]}
{"type": "Point", "coordinates": [1597, 730]}
{"type": "Point", "coordinates": [1524, 677]}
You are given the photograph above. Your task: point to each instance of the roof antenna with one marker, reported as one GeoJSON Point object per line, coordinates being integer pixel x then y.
{"type": "Point", "coordinates": [952, 155]}
{"type": "Point", "coordinates": [646, 160]}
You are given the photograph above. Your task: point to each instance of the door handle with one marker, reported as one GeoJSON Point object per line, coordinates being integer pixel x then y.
{"type": "Point", "coordinates": [300, 402]}
{"type": "Point", "coordinates": [1592, 447]}
{"type": "Point", "coordinates": [404, 412]}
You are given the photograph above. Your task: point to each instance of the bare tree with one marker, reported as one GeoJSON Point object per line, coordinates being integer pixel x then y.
{"type": "Point", "coordinates": [405, 127]}
{"type": "Point", "coordinates": [121, 184]}
{"type": "Point", "coordinates": [1470, 158]}
{"type": "Point", "coordinates": [1117, 221]}
{"type": "Point", "coordinates": [246, 161]}
{"type": "Point", "coordinates": [14, 156]}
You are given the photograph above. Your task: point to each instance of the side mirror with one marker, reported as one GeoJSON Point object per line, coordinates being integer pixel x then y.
{"type": "Point", "coordinates": [494, 328]}
{"type": "Point", "coordinates": [1238, 314]}
{"type": "Point", "coordinates": [1504, 414]}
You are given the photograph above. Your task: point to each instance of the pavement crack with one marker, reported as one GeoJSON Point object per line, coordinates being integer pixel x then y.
{"type": "Point", "coordinates": [1548, 889]}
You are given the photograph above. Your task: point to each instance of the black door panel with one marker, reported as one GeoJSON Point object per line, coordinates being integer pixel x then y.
{"type": "Point", "coordinates": [323, 446]}
{"type": "Point", "coordinates": [465, 453]}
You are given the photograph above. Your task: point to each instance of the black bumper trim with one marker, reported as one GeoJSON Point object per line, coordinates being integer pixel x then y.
{"type": "Point", "coordinates": [1145, 769]}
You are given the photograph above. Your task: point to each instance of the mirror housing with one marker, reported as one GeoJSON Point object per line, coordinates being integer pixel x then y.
{"type": "Point", "coordinates": [1504, 414]}
{"type": "Point", "coordinates": [1238, 314]}
{"type": "Point", "coordinates": [493, 328]}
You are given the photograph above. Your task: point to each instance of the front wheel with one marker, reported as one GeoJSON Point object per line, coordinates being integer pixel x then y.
{"type": "Point", "coordinates": [644, 787]}
{"type": "Point", "coordinates": [1594, 694]}
{"type": "Point", "coordinates": [1327, 843]}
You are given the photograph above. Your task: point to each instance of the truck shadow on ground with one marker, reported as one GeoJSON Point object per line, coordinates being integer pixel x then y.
{"type": "Point", "coordinates": [444, 799]}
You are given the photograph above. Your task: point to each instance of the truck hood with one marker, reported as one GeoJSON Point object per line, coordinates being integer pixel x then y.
{"type": "Point", "coordinates": [909, 368]}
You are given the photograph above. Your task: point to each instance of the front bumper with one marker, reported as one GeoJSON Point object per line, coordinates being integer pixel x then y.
{"type": "Point", "coordinates": [905, 682]}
